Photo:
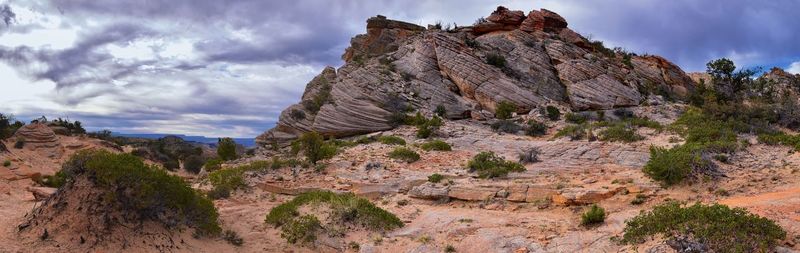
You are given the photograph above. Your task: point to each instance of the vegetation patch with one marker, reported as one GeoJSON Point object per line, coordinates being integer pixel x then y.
{"type": "Point", "coordinates": [595, 215]}
{"type": "Point", "coordinates": [314, 147]}
{"type": "Point", "coordinates": [780, 138]}
{"type": "Point", "coordinates": [506, 126]}
{"type": "Point", "coordinates": [404, 154]}
{"type": "Point", "coordinates": [530, 155]}
{"type": "Point", "coordinates": [535, 128]}
{"type": "Point", "coordinates": [392, 140]}
{"type": "Point", "coordinates": [716, 227]}
{"type": "Point", "coordinates": [552, 113]}
{"type": "Point", "coordinates": [427, 127]}
{"type": "Point", "coordinates": [496, 60]}
{"type": "Point", "coordinates": [574, 132]}
{"type": "Point", "coordinates": [345, 208]}
{"type": "Point", "coordinates": [437, 145]}
{"type": "Point", "coordinates": [435, 178]}
{"type": "Point", "coordinates": [490, 165]}
{"type": "Point", "coordinates": [620, 132]}
{"type": "Point", "coordinates": [505, 110]}
{"type": "Point", "coordinates": [144, 189]}
{"type": "Point", "coordinates": [576, 118]}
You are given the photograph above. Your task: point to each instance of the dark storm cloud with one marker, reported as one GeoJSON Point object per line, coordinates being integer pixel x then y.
{"type": "Point", "coordinates": [6, 14]}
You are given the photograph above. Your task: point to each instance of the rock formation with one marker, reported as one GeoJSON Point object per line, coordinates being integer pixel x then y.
{"type": "Point", "coordinates": [37, 135]}
{"type": "Point", "coordinates": [536, 60]}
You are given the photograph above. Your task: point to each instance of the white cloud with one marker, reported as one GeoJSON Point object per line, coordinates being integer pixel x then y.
{"type": "Point", "coordinates": [794, 68]}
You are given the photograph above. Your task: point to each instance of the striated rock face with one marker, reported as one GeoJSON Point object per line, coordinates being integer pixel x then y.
{"type": "Point", "coordinates": [37, 135]}
{"type": "Point", "coordinates": [398, 67]}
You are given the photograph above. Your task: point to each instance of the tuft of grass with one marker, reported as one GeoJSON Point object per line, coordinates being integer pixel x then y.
{"type": "Point", "coordinates": [440, 111]}
{"type": "Point", "coordinates": [576, 118]}
{"type": "Point", "coordinates": [505, 109]}
{"type": "Point", "coordinates": [780, 138]}
{"type": "Point", "coordinates": [489, 165]}
{"type": "Point", "coordinates": [506, 126]}
{"type": "Point", "coordinates": [574, 132]}
{"type": "Point", "coordinates": [496, 60]}
{"type": "Point", "coordinates": [302, 230]}
{"type": "Point", "coordinates": [449, 249]}
{"type": "Point", "coordinates": [404, 154]}
{"type": "Point", "coordinates": [437, 145]}
{"type": "Point", "coordinates": [552, 113]}
{"type": "Point", "coordinates": [232, 237]}
{"type": "Point", "coordinates": [639, 199]}
{"type": "Point", "coordinates": [718, 227]}
{"type": "Point", "coordinates": [535, 128]}
{"type": "Point", "coordinates": [435, 178]}
{"type": "Point", "coordinates": [6, 163]}
{"type": "Point", "coordinates": [595, 215]}
{"type": "Point", "coordinates": [620, 132]}
{"type": "Point", "coordinates": [392, 140]}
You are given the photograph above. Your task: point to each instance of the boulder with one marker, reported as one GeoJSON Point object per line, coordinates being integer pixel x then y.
{"type": "Point", "coordinates": [472, 194]}
{"type": "Point", "coordinates": [41, 193]}
{"type": "Point", "coordinates": [505, 16]}
{"type": "Point", "coordinates": [543, 21]}
{"type": "Point", "coordinates": [583, 196]}
{"type": "Point", "coordinates": [429, 191]}
{"type": "Point", "coordinates": [37, 135]}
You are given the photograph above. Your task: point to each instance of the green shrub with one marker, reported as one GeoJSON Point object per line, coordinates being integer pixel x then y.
{"type": "Point", "coordinates": [301, 230]}
{"type": "Point", "coordinates": [404, 154]}
{"type": "Point", "coordinates": [392, 140]}
{"type": "Point", "coordinates": [496, 60]}
{"type": "Point", "coordinates": [718, 227]}
{"type": "Point", "coordinates": [193, 163]}
{"type": "Point", "coordinates": [315, 148]}
{"type": "Point", "coordinates": [55, 181]}
{"type": "Point", "coordinates": [489, 165]}
{"type": "Point", "coordinates": [440, 111]}
{"type": "Point", "coordinates": [435, 178]}
{"type": "Point", "coordinates": [577, 118]}
{"type": "Point", "coordinates": [437, 145]}
{"type": "Point", "coordinates": [213, 165]}
{"type": "Point", "coordinates": [780, 138]}
{"type": "Point", "coordinates": [449, 249]}
{"type": "Point", "coordinates": [149, 191]}
{"type": "Point", "coordinates": [620, 132]}
{"type": "Point", "coordinates": [574, 132]}
{"type": "Point", "coordinates": [229, 178]}
{"type": "Point", "coordinates": [535, 128]}
{"type": "Point", "coordinates": [505, 110]}
{"type": "Point", "coordinates": [639, 199]}
{"type": "Point", "coordinates": [226, 149]}
{"type": "Point", "coordinates": [219, 193]}
{"type": "Point", "coordinates": [233, 238]}
{"type": "Point", "coordinates": [297, 114]}
{"type": "Point", "coordinates": [6, 163]}
{"type": "Point", "coordinates": [346, 208]}
{"type": "Point", "coordinates": [595, 215]}
{"type": "Point", "coordinates": [552, 113]}
{"type": "Point", "coordinates": [671, 166]}
{"type": "Point", "coordinates": [506, 126]}
{"type": "Point", "coordinates": [426, 127]}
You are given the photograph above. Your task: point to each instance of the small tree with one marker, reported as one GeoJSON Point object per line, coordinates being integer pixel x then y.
{"type": "Point", "coordinates": [226, 149]}
{"type": "Point", "coordinates": [315, 148]}
{"type": "Point", "coordinates": [505, 109]}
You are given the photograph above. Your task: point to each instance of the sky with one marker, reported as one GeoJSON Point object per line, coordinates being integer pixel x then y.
{"type": "Point", "coordinates": [227, 68]}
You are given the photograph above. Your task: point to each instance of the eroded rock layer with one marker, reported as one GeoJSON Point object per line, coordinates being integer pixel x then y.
{"type": "Point", "coordinates": [531, 60]}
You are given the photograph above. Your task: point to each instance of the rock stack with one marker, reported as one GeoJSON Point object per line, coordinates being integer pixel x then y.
{"type": "Point", "coordinates": [37, 135]}
{"type": "Point", "coordinates": [531, 60]}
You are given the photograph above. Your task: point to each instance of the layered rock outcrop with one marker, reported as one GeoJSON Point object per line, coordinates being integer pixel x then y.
{"type": "Point", "coordinates": [37, 135]}
{"type": "Point", "coordinates": [531, 60]}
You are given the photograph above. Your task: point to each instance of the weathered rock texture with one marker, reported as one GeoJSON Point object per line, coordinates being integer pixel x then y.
{"type": "Point", "coordinates": [37, 135]}
{"type": "Point", "coordinates": [397, 67]}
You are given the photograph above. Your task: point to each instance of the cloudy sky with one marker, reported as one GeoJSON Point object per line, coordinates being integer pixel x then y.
{"type": "Point", "coordinates": [227, 68]}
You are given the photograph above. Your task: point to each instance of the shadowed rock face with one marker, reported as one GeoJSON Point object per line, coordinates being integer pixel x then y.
{"type": "Point", "coordinates": [536, 61]}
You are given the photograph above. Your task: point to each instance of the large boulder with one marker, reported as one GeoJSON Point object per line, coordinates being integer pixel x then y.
{"type": "Point", "coordinates": [37, 135]}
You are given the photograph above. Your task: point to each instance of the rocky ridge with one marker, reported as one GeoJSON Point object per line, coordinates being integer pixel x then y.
{"type": "Point", "coordinates": [538, 61]}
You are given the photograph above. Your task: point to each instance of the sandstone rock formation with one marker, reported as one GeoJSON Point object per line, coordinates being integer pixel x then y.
{"type": "Point", "coordinates": [37, 135]}
{"type": "Point", "coordinates": [536, 60]}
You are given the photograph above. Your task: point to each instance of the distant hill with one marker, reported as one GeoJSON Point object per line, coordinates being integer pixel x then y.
{"type": "Point", "coordinates": [247, 142]}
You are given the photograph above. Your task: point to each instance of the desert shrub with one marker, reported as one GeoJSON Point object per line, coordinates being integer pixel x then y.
{"type": "Point", "coordinates": [7, 128]}
{"type": "Point", "coordinates": [717, 227]}
{"type": "Point", "coordinates": [780, 138]}
{"type": "Point", "coordinates": [229, 178]}
{"type": "Point", "coordinates": [490, 165]}
{"type": "Point", "coordinates": [671, 166]}
{"type": "Point", "coordinates": [623, 113]}
{"type": "Point", "coordinates": [219, 193]}
{"type": "Point", "coordinates": [171, 164]}
{"type": "Point", "coordinates": [226, 149]}
{"type": "Point", "coordinates": [435, 178]}
{"type": "Point", "coordinates": [146, 190]}
{"type": "Point", "coordinates": [213, 164]}
{"type": "Point", "coordinates": [346, 208]}
{"type": "Point", "coordinates": [552, 113]}
{"type": "Point", "coordinates": [506, 126]}
{"type": "Point", "coordinates": [6, 163]}
{"type": "Point", "coordinates": [366, 140]}
{"type": "Point", "coordinates": [505, 110]}
{"type": "Point", "coordinates": [193, 163]}
{"type": "Point", "coordinates": [392, 140]}
{"type": "Point", "coordinates": [576, 118]}
{"type": "Point", "coordinates": [404, 154]}
{"type": "Point", "coordinates": [315, 148]}
{"type": "Point", "coordinates": [319, 99]}
{"type": "Point", "coordinates": [595, 215]}
{"type": "Point", "coordinates": [301, 230]}
{"type": "Point", "coordinates": [19, 144]}
{"type": "Point", "coordinates": [441, 111]}
{"type": "Point", "coordinates": [620, 132]}
{"type": "Point", "coordinates": [535, 128]}
{"type": "Point", "coordinates": [574, 132]}
{"type": "Point", "coordinates": [55, 181]}
{"type": "Point", "coordinates": [436, 145]}
{"type": "Point", "coordinates": [496, 60]}
{"type": "Point", "coordinates": [530, 155]}
{"type": "Point", "coordinates": [426, 127]}
{"type": "Point", "coordinates": [639, 199]}
{"type": "Point", "coordinates": [232, 237]}
{"type": "Point", "coordinates": [472, 43]}
{"type": "Point", "coordinates": [297, 114]}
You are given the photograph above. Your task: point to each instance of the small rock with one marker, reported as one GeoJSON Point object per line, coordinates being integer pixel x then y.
{"type": "Point", "coordinates": [429, 190]}
{"type": "Point", "coordinates": [41, 193]}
